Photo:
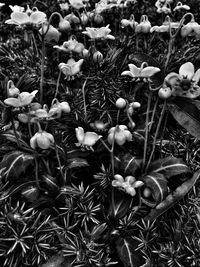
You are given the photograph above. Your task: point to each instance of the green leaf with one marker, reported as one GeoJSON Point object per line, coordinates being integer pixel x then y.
{"type": "Point", "coordinates": [187, 113]}
{"type": "Point", "coordinates": [127, 163]}
{"type": "Point", "coordinates": [126, 248]}
{"type": "Point", "coordinates": [171, 199]}
{"type": "Point", "coordinates": [14, 164]}
{"type": "Point", "coordinates": [157, 184]}
{"type": "Point", "coordinates": [120, 204]}
{"type": "Point", "coordinates": [169, 167]}
{"type": "Point", "coordinates": [77, 163]}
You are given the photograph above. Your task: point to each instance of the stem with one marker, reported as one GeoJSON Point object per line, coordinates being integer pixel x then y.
{"type": "Point", "coordinates": [15, 131]}
{"type": "Point", "coordinates": [29, 122]}
{"type": "Point", "coordinates": [153, 113]}
{"type": "Point", "coordinates": [59, 164]}
{"type": "Point", "coordinates": [57, 84]}
{"type": "Point", "coordinates": [42, 69]}
{"type": "Point", "coordinates": [170, 47]}
{"type": "Point", "coordinates": [156, 134]}
{"type": "Point", "coordinates": [34, 44]}
{"type": "Point", "coordinates": [84, 101]}
{"type": "Point", "coordinates": [146, 128]}
{"type": "Point", "coordinates": [36, 174]}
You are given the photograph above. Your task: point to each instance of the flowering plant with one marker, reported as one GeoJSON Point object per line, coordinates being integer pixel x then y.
{"type": "Point", "coordinates": [99, 133]}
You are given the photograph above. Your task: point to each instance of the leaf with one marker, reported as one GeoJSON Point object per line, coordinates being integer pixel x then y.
{"type": "Point", "coordinates": [126, 248]}
{"type": "Point", "coordinates": [57, 261]}
{"type": "Point", "coordinates": [14, 164]}
{"type": "Point", "coordinates": [169, 167]}
{"type": "Point", "coordinates": [77, 163]}
{"type": "Point", "coordinates": [187, 114]}
{"type": "Point", "coordinates": [127, 163]}
{"type": "Point", "coordinates": [157, 183]}
{"type": "Point", "coordinates": [120, 205]}
{"type": "Point", "coordinates": [171, 199]}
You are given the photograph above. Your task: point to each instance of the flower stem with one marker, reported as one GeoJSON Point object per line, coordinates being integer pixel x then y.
{"type": "Point", "coordinates": [15, 131]}
{"type": "Point", "coordinates": [84, 100]}
{"type": "Point", "coordinates": [57, 84]}
{"type": "Point", "coordinates": [42, 70]}
{"type": "Point", "coordinates": [146, 129]}
{"type": "Point", "coordinates": [156, 134]}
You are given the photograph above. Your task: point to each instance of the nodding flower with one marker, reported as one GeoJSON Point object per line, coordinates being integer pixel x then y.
{"type": "Point", "coordinates": [87, 139]}
{"type": "Point", "coordinates": [144, 72]}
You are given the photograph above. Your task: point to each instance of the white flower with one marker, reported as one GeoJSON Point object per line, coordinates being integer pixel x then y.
{"type": "Point", "coordinates": [86, 138]}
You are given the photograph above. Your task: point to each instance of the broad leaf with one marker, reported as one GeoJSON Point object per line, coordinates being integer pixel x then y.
{"type": "Point", "coordinates": [157, 184]}
{"type": "Point", "coordinates": [171, 199]}
{"type": "Point", "coordinates": [14, 164]}
{"type": "Point", "coordinates": [187, 114]}
{"type": "Point", "coordinates": [77, 163]}
{"type": "Point", "coordinates": [126, 248]}
{"type": "Point", "coordinates": [127, 163]}
{"type": "Point", "coordinates": [169, 167]}
{"type": "Point", "coordinates": [120, 205]}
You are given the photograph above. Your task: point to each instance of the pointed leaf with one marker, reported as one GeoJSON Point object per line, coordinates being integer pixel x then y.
{"type": "Point", "coordinates": [171, 199]}
{"type": "Point", "coordinates": [77, 163]}
{"type": "Point", "coordinates": [14, 164]}
{"type": "Point", "coordinates": [169, 167]}
{"type": "Point", "coordinates": [187, 115]}
{"type": "Point", "coordinates": [126, 248]}
{"type": "Point", "coordinates": [127, 163]}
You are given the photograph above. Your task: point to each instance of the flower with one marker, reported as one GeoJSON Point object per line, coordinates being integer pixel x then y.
{"type": "Point", "coordinates": [163, 6]}
{"type": "Point", "coordinates": [180, 6]}
{"type": "Point", "coordinates": [77, 4]}
{"type": "Point", "coordinates": [71, 69]}
{"type": "Point", "coordinates": [86, 139]}
{"type": "Point", "coordinates": [184, 84]}
{"type": "Point", "coordinates": [42, 139]}
{"type": "Point", "coordinates": [52, 34]}
{"type": "Point", "coordinates": [16, 8]}
{"type": "Point", "coordinates": [120, 133]}
{"type": "Point", "coordinates": [12, 90]}
{"type": "Point", "coordinates": [144, 72]}
{"type": "Point", "coordinates": [167, 24]}
{"type": "Point", "coordinates": [129, 22]}
{"type": "Point", "coordinates": [72, 45]}
{"type": "Point", "coordinates": [64, 6]}
{"type": "Point", "coordinates": [99, 33]}
{"type": "Point", "coordinates": [21, 18]}
{"type": "Point", "coordinates": [23, 99]}
{"type": "Point", "coordinates": [144, 26]}
{"type": "Point", "coordinates": [192, 28]}
{"type": "Point", "coordinates": [129, 184]}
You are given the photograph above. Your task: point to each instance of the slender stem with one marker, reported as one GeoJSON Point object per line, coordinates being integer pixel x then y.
{"type": "Point", "coordinates": [146, 128]}
{"type": "Point", "coordinates": [42, 69]}
{"type": "Point", "coordinates": [57, 84]}
{"type": "Point", "coordinates": [35, 44]}
{"type": "Point", "coordinates": [15, 131]}
{"type": "Point", "coordinates": [84, 100]}
{"type": "Point", "coordinates": [153, 113]}
{"type": "Point", "coordinates": [36, 174]}
{"type": "Point", "coordinates": [59, 164]}
{"type": "Point", "coordinates": [170, 48]}
{"type": "Point", "coordinates": [156, 134]}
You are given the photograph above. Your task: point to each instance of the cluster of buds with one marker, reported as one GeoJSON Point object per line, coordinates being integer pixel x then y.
{"type": "Point", "coordinates": [128, 184]}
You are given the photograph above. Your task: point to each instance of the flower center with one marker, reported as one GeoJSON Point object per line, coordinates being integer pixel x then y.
{"type": "Point", "coordinates": [185, 84]}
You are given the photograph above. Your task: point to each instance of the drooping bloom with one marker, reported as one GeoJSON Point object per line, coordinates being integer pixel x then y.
{"type": "Point", "coordinates": [72, 45]}
{"type": "Point", "coordinates": [144, 72]}
{"type": "Point", "coordinates": [42, 139]}
{"type": "Point", "coordinates": [120, 134]}
{"type": "Point", "coordinates": [99, 33]}
{"type": "Point", "coordinates": [23, 99]}
{"type": "Point", "coordinates": [144, 26]}
{"type": "Point", "coordinates": [129, 184]}
{"type": "Point", "coordinates": [77, 4]}
{"type": "Point", "coordinates": [192, 28]}
{"type": "Point", "coordinates": [165, 27]}
{"type": "Point", "coordinates": [71, 69]}
{"type": "Point", "coordinates": [86, 138]}
{"type": "Point", "coordinates": [21, 18]}
{"type": "Point", "coordinates": [16, 8]}
{"type": "Point", "coordinates": [163, 6]}
{"type": "Point", "coordinates": [179, 6]}
{"type": "Point", "coordinates": [184, 83]}
{"type": "Point", "coordinates": [129, 22]}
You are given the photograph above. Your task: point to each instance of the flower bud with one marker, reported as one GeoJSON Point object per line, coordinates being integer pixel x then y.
{"type": "Point", "coordinates": [97, 57]}
{"type": "Point", "coordinates": [12, 90]}
{"type": "Point", "coordinates": [120, 103]}
{"type": "Point", "coordinates": [98, 19]}
{"type": "Point", "coordinates": [64, 25]}
{"type": "Point", "coordinates": [22, 118]}
{"type": "Point", "coordinates": [65, 107]}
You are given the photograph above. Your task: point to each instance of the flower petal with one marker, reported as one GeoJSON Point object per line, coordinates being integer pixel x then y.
{"type": "Point", "coordinates": [171, 79]}
{"type": "Point", "coordinates": [80, 135]}
{"type": "Point", "coordinates": [187, 70]}
{"type": "Point", "coordinates": [91, 138]}
{"type": "Point", "coordinates": [18, 18]}
{"type": "Point", "coordinates": [134, 70]}
{"type": "Point", "coordinates": [127, 73]}
{"type": "Point", "coordinates": [76, 67]}
{"type": "Point", "coordinates": [38, 17]}
{"type": "Point", "coordinates": [149, 71]}
{"type": "Point", "coordinates": [13, 102]}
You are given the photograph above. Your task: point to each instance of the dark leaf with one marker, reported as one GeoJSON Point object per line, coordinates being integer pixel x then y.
{"type": "Point", "coordinates": [77, 163]}
{"type": "Point", "coordinates": [126, 248]}
{"type": "Point", "coordinates": [171, 199]}
{"type": "Point", "coordinates": [169, 167]}
{"type": "Point", "coordinates": [14, 164]}
{"type": "Point", "coordinates": [127, 163]}
{"type": "Point", "coordinates": [187, 114]}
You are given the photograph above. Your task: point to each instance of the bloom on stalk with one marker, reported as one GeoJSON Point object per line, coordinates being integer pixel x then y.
{"type": "Point", "coordinates": [72, 45]}
{"type": "Point", "coordinates": [144, 26]}
{"type": "Point", "coordinates": [77, 4]}
{"type": "Point", "coordinates": [163, 6]}
{"type": "Point", "coordinates": [23, 99]}
{"type": "Point", "coordinates": [21, 18]}
{"type": "Point", "coordinates": [120, 134]}
{"type": "Point", "coordinates": [86, 138]}
{"type": "Point", "coordinates": [165, 27]}
{"type": "Point", "coordinates": [42, 139]}
{"type": "Point", "coordinates": [70, 69]}
{"type": "Point", "coordinates": [179, 6]}
{"type": "Point", "coordinates": [99, 33]}
{"type": "Point", "coordinates": [129, 184]}
{"type": "Point", "coordinates": [144, 72]}
{"type": "Point", "coordinates": [184, 83]}
{"type": "Point", "coordinates": [192, 28]}
{"type": "Point", "coordinates": [16, 8]}
{"type": "Point", "coordinates": [129, 22]}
